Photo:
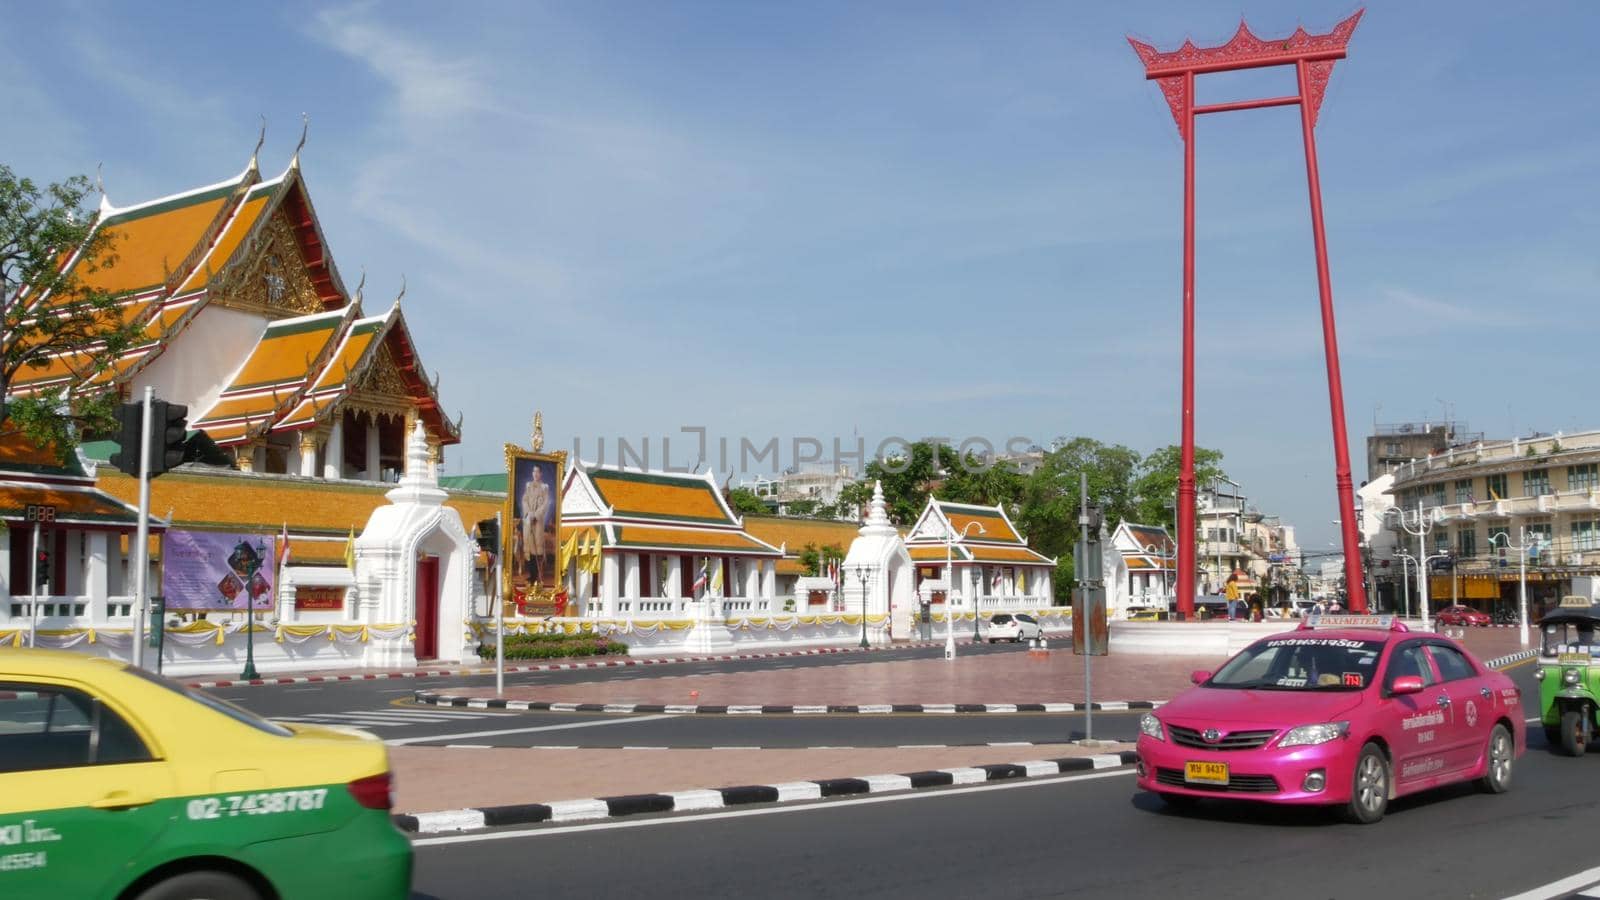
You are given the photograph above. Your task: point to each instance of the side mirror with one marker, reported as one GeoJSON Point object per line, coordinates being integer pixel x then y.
{"type": "Point", "coordinates": [1406, 684]}
{"type": "Point", "coordinates": [1201, 676]}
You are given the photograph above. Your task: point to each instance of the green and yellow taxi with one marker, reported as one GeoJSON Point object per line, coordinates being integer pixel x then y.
{"type": "Point", "coordinates": [1569, 674]}
{"type": "Point", "coordinates": [116, 783]}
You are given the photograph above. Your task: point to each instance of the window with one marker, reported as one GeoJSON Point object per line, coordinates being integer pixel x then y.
{"type": "Point", "coordinates": [1496, 485]}
{"type": "Point", "coordinates": [1464, 490]}
{"type": "Point", "coordinates": [1539, 535]}
{"type": "Point", "coordinates": [1410, 659]}
{"type": "Point", "coordinates": [1438, 494]}
{"type": "Point", "coordinates": [1391, 448]}
{"type": "Point", "coordinates": [1586, 535]}
{"type": "Point", "coordinates": [47, 727]}
{"type": "Point", "coordinates": [1452, 665]}
{"type": "Point", "coordinates": [1441, 540]}
{"type": "Point", "coordinates": [1583, 478]}
{"type": "Point", "coordinates": [1536, 482]}
{"type": "Point", "coordinates": [1500, 536]}
{"type": "Point", "coordinates": [1466, 542]}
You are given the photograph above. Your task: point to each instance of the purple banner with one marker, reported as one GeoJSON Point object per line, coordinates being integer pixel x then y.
{"type": "Point", "coordinates": [217, 570]}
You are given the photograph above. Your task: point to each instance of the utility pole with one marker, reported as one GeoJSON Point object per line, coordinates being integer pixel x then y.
{"type": "Point", "coordinates": [141, 547]}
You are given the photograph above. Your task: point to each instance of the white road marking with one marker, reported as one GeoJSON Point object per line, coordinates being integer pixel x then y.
{"type": "Point", "coordinates": [504, 731]}
{"type": "Point", "coordinates": [1566, 885]}
{"type": "Point", "coordinates": [780, 810]}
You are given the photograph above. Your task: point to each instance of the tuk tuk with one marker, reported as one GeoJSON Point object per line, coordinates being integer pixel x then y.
{"type": "Point", "coordinates": [1569, 674]}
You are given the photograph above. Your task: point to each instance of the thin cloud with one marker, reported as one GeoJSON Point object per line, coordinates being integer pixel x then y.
{"type": "Point", "coordinates": [1444, 312]}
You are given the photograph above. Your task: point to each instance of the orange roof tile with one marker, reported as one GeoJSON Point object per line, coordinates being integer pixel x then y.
{"type": "Point", "coordinates": [238, 229]}
{"type": "Point", "coordinates": [265, 503]}
{"type": "Point", "coordinates": [982, 554]}
{"type": "Point", "coordinates": [274, 374]}
{"type": "Point", "coordinates": [152, 241]}
{"type": "Point", "coordinates": [795, 534]}
{"type": "Point", "coordinates": [349, 357]}
{"type": "Point", "coordinates": [651, 495]}
{"type": "Point", "coordinates": [713, 540]}
{"type": "Point", "coordinates": [73, 507]}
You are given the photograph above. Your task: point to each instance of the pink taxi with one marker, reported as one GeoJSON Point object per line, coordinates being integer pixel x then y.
{"type": "Point", "coordinates": [1347, 711]}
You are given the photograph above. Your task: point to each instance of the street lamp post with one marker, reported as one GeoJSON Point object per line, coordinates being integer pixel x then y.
{"type": "Point", "coordinates": [862, 574]}
{"type": "Point", "coordinates": [1419, 525]}
{"type": "Point", "coordinates": [1521, 546]}
{"type": "Point", "coordinates": [950, 588]}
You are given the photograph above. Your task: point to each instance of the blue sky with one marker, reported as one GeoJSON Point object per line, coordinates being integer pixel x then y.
{"type": "Point", "coordinates": [829, 219]}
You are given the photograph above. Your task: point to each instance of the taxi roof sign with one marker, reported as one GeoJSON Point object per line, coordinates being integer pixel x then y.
{"type": "Point", "coordinates": [1330, 620]}
{"type": "Point", "coordinates": [1574, 601]}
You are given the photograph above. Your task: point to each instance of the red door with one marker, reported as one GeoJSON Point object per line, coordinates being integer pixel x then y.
{"type": "Point", "coordinates": [427, 646]}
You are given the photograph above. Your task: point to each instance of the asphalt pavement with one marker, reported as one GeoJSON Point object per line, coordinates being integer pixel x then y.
{"type": "Point", "coordinates": [1087, 836]}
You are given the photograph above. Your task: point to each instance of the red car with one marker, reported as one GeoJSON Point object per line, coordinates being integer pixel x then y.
{"type": "Point", "coordinates": [1348, 711]}
{"type": "Point", "coordinates": [1461, 615]}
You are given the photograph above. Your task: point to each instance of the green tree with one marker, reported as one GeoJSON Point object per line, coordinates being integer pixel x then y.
{"type": "Point", "coordinates": [1050, 504]}
{"type": "Point", "coordinates": [49, 246]}
{"type": "Point", "coordinates": [745, 502]}
{"type": "Point", "coordinates": [802, 507]}
{"type": "Point", "coordinates": [985, 484]}
{"type": "Point", "coordinates": [908, 480]}
{"type": "Point", "coordinates": [853, 499]}
{"type": "Point", "coordinates": [1156, 487]}
{"type": "Point", "coordinates": [815, 559]}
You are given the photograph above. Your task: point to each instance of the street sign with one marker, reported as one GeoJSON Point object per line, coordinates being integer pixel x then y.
{"type": "Point", "coordinates": [40, 513]}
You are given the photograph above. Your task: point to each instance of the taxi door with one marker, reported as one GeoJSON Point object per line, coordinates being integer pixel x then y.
{"type": "Point", "coordinates": [1472, 710]}
{"type": "Point", "coordinates": [1416, 737]}
{"type": "Point", "coordinates": [80, 793]}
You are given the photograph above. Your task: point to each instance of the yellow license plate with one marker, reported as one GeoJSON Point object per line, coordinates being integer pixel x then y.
{"type": "Point", "coordinates": [1206, 772]}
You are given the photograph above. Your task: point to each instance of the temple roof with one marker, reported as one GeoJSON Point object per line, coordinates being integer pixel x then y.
{"type": "Point", "coordinates": [994, 540]}
{"type": "Point", "coordinates": [256, 247]}
{"type": "Point", "coordinates": [668, 511]}
{"type": "Point", "coordinates": [272, 376]}
{"type": "Point", "coordinates": [792, 535]}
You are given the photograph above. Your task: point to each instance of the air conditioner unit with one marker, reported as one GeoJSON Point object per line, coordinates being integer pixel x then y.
{"type": "Point", "coordinates": [1574, 559]}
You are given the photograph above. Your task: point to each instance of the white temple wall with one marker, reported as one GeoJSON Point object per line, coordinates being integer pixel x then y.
{"type": "Point", "coordinates": [203, 359]}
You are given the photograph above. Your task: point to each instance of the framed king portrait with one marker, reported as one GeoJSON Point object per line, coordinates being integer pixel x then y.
{"type": "Point", "coordinates": [530, 537]}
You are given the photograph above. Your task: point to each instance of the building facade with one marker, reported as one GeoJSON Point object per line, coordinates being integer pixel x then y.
{"type": "Point", "coordinates": [1480, 502]}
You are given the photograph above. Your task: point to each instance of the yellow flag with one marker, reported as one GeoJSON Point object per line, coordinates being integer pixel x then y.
{"type": "Point", "coordinates": [716, 579]}
{"type": "Point", "coordinates": [1022, 581]}
{"type": "Point", "coordinates": [350, 551]}
{"type": "Point", "coordinates": [1493, 496]}
{"type": "Point", "coordinates": [592, 553]}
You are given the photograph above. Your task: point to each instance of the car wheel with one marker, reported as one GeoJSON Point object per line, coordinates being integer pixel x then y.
{"type": "Point", "coordinates": [1573, 727]}
{"type": "Point", "coordinates": [1369, 790]}
{"type": "Point", "coordinates": [1501, 754]}
{"type": "Point", "coordinates": [200, 886]}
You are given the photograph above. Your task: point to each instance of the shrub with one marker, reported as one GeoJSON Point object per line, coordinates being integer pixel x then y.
{"type": "Point", "coordinates": [541, 646]}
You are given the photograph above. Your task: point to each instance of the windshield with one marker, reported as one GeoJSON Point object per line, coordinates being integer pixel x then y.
{"type": "Point", "coordinates": [1568, 637]}
{"type": "Point", "coordinates": [238, 714]}
{"type": "Point", "coordinates": [1301, 664]}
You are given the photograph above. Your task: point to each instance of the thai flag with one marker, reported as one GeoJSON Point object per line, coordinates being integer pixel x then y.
{"type": "Point", "coordinates": [700, 582]}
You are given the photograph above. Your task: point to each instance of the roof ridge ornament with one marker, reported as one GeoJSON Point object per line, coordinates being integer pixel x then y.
{"type": "Point", "coordinates": [305, 128]}
{"type": "Point", "coordinates": [261, 139]}
{"type": "Point", "coordinates": [536, 441]}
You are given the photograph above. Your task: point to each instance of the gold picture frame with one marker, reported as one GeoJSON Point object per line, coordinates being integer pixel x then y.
{"type": "Point", "coordinates": [530, 531]}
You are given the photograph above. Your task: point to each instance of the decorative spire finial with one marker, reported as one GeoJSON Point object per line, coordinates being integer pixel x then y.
{"type": "Point", "coordinates": [260, 139]}
{"type": "Point", "coordinates": [417, 449]}
{"type": "Point", "coordinates": [305, 126]}
{"type": "Point", "coordinates": [99, 179]}
{"type": "Point", "coordinates": [537, 441]}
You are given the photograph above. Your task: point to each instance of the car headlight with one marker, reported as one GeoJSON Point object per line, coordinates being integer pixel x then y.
{"type": "Point", "coordinates": [1538, 675]}
{"type": "Point", "coordinates": [1309, 735]}
{"type": "Point", "coordinates": [1150, 725]}
{"type": "Point", "coordinates": [1569, 677]}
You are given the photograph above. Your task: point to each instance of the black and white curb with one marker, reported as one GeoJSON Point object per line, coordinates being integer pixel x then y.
{"type": "Point", "coordinates": [607, 663]}
{"type": "Point", "coordinates": [717, 798]}
{"type": "Point", "coordinates": [1500, 662]}
{"type": "Point", "coordinates": [435, 699]}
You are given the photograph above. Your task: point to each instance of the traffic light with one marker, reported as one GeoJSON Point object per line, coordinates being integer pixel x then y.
{"type": "Point", "coordinates": [168, 431]}
{"type": "Point", "coordinates": [41, 565]}
{"type": "Point", "coordinates": [126, 459]}
{"type": "Point", "coordinates": [488, 532]}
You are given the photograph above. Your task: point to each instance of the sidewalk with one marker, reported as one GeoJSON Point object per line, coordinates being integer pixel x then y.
{"type": "Point", "coordinates": [439, 778]}
{"type": "Point", "coordinates": [994, 679]}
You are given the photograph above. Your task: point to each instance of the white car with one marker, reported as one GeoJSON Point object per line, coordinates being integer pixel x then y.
{"type": "Point", "coordinates": [1014, 627]}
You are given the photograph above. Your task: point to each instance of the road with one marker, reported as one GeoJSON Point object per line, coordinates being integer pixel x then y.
{"type": "Point", "coordinates": [1088, 836]}
{"type": "Point", "coordinates": [382, 707]}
